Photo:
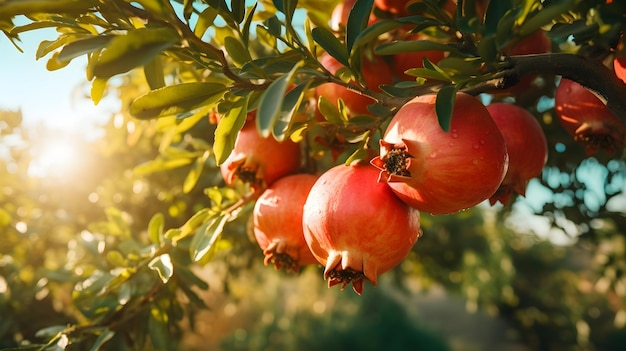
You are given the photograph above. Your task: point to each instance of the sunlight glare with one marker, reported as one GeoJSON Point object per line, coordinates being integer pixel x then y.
{"type": "Point", "coordinates": [55, 158]}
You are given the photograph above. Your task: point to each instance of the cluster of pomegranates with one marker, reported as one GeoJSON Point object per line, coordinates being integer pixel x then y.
{"type": "Point", "coordinates": [361, 220]}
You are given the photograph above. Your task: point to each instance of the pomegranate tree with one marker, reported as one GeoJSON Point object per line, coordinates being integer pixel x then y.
{"type": "Point", "coordinates": [526, 145]}
{"type": "Point", "coordinates": [587, 119]}
{"type": "Point", "coordinates": [259, 161]}
{"type": "Point", "coordinates": [442, 172]}
{"type": "Point", "coordinates": [356, 227]}
{"type": "Point", "coordinates": [402, 62]}
{"type": "Point", "coordinates": [277, 219]}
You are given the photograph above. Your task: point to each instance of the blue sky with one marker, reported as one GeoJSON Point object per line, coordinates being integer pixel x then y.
{"type": "Point", "coordinates": [55, 98]}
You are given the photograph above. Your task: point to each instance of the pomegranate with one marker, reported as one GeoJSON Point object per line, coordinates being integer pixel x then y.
{"type": "Point", "coordinates": [526, 145]}
{"type": "Point", "coordinates": [356, 227]}
{"type": "Point", "coordinates": [259, 161]}
{"type": "Point", "coordinates": [442, 172]}
{"type": "Point", "coordinates": [587, 119]}
{"type": "Point", "coordinates": [277, 220]}
{"type": "Point", "coordinates": [619, 66]}
{"type": "Point", "coordinates": [375, 73]}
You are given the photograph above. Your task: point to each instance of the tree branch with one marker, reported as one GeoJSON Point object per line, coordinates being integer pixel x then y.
{"type": "Point", "coordinates": [589, 73]}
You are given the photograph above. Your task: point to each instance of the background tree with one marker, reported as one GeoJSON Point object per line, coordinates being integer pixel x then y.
{"type": "Point", "coordinates": [128, 252]}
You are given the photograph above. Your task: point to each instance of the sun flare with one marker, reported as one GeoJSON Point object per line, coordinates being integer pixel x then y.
{"type": "Point", "coordinates": [55, 157]}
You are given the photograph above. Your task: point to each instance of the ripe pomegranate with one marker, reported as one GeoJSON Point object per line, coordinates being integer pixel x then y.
{"type": "Point", "coordinates": [587, 119]}
{"type": "Point", "coordinates": [259, 161]}
{"type": "Point", "coordinates": [277, 220]}
{"type": "Point", "coordinates": [619, 66]}
{"type": "Point", "coordinates": [526, 145]}
{"type": "Point", "coordinates": [375, 73]}
{"type": "Point", "coordinates": [407, 60]}
{"type": "Point", "coordinates": [356, 227]}
{"type": "Point", "coordinates": [442, 172]}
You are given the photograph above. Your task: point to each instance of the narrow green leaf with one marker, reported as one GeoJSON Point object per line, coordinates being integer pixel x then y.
{"type": "Point", "coordinates": [153, 71]}
{"type": "Point", "coordinates": [98, 87]}
{"type": "Point", "coordinates": [428, 74]}
{"type": "Point", "coordinates": [194, 174]}
{"type": "Point", "coordinates": [445, 105]}
{"type": "Point", "coordinates": [398, 47]}
{"type": "Point", "coordinates": [237, 51]}
{"type": "Point", "coordinates": [102, 339]}
{"type": "Point", "coordinates": [163, 266]}
{"type": "Point", "coordinates": [134, 49]}
{"type": "Point", "coordinates": [155, 228]}
{"type": "Point", "coordinates": [204, 22]}
{"type": "Point", "coordinates": [207, 236]}
{"type": "Point", "coordinates": [547, 14]}
{"type": "Point", "coordinates": [371, 33]}
{"type": "Point", "coordinates": [494, 13]}
{"type": "Point", "coordinates": [330, 111]}
{"type": "Point", "coordinates": [246, 26]}
{"type": "Point", "coordinates": [175, 99]}
{"type": "Point", "coordinates": [159, 165]}
{"type": "Point", "coordinates": [228, 128]}
{"type": "Point", "coordinates": [331, 44]}
{"type": "Point", "coordinates": [271, 102]}
{"type": "Point", "coordinates": [291, 103]}
{"type": "Point", "coordinates": [27, 7]}
{"type": "Point", "coordinates": [357, 21]}
{"type": "Point", "coordinates": [84, 46]}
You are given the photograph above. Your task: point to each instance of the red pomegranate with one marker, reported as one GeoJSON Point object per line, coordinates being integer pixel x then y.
{"type": "Point", "coordinates": [587, 119]}
{"type": "Point", "coordinates": [442, 172]}
{"type": "Point", "coordinates": [277, 220]}
{"type": "Point", "coordinates": [375, 73]}
{"type": "Point", "coordinates": [356, 227]}
{"type": "Point", "coordinates": [259, 161]}
{"type": "Point", "coordinates": [619, 66]}
{"type": "Point", "coordinates": [526, 145]}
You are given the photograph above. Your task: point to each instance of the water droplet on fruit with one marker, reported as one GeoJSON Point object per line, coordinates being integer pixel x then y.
{"type": "Point", "coordinates": [455, 135]}
{"type": "Point", "coordinates": [482, 142]}
{"type": "Point", "coordinates": [475, 162]}
{"type": "Point", "coordinates": [451, 144]}
{"type": "Point", "coordinates": [476, 146]}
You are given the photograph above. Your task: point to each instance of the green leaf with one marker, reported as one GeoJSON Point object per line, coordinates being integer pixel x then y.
{"type": "Point", "coordinates": [204, 22]}
{"type": "Point", "coordinates": [194, 174]}
{"type": "Point", "coordinates": [330, 111]}
{"type": "Point", "coordinates": [271, 102]}
{"type": "Point", "coordinates": [153, 71]}
{"type": "Point", "coordinates": [428, 74]}
{"type": "Point", "coordinates": [494, 13]}
{"type": "Point", "coordinates": [163, 266]}
{"type": "Point", "coordinates": [98, 87]}
{"type": "Point", "coordinates": [291, 103]}
{"type": "Point", "coordinates": [228, 129]}
{"type": "Point", "coordinates": [207, 236]}
{"type": "Point", "coordinates": [372, 32]}
{"type": "Point", "coordinates": [136, 48]}
{"type": "Point", "coordinates": [159, 165]}
{"type": "Point", "coordinates": [84, 46]}
{"type": "Point", "coordinates": [331, 44]}
{"type": "Point", "coordinates": [13, 8]}
{"type": "Point", "coordinates": [237, 51]}
{"type": "Point", "coordinates": [357, 21]}
{"type": "Point", "coordinates": [547, 14]}
{"type": "Point", "coordinates": [155, 228]}
{"type": "Point", "coordinates": [445, 105]}
{"type": "Point", "coordinates": [102, 339]}
{"type": "Point", "coordinates": [175, 99]}
{"type": "Point", "coordinates": [398, 47]}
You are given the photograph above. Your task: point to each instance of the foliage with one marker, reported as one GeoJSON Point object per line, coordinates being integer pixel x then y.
{"type": "Point", "coordinates": [113, 258]}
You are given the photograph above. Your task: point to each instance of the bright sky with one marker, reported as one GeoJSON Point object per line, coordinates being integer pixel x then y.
{"type": "Point", "coordinates": [56, 98]}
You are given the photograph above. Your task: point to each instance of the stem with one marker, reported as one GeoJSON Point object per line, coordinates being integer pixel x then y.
{"type": "Point", "coordinates": [590, 73]}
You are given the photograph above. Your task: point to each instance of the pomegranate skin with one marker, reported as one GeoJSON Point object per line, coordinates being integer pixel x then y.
{"type": "Point", "coordinates": [442, 172]}
{"type": "Point", "coordinates": [277, 218]}
{"type": "Point", "coordinates": [259, 161]}
{"type": "Point", "coordinates": [587, 119]}
{"type": "Point", "coordinates": [526, 145]}
{"type": "Point", "coordinates": [356, 227]}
